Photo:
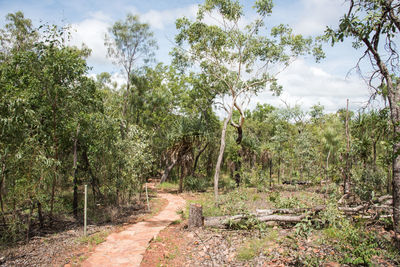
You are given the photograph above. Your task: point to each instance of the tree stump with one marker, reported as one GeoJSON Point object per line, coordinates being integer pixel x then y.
{"type": "Point", "coordinates": [196, 218]}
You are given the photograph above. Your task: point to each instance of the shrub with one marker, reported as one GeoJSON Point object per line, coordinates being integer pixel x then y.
{"type": "Point", "coordinates": [199, 184]}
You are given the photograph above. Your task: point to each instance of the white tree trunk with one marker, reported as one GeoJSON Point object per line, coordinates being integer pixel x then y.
{"type": "Point", "coordinates": [221, 150]}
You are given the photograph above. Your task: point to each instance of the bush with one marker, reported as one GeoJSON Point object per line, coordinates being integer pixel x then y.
{"type": "Point", "coordinates": [368, 182]}
{"type": "Point", "coordinates": [226, 183]}
{"type": "Point", "coordinates": [199, 184]}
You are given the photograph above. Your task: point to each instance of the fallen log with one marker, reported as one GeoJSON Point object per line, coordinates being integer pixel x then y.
{"type": "Point", "coordinates": [282, 218]}
{"type": "Point", "coordinates": [354, 209]}
{"type": "Point", "coordinates": [262, 216]}
{"type": "Point", "coordinates": [273, 215]}
{"type": "Point", "coordinates": [384, 198]}
{"type": "Point", "coordinates": [378, 206]}
{"type": "Point", "coordinates": [224, 221]}
{"type": "Point", "coordinates": [260, 212]}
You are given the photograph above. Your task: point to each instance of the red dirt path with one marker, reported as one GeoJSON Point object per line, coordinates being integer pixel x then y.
{"type": "Point", "coordinates": [127, 248]}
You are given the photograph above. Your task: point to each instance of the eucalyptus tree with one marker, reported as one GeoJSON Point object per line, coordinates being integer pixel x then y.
{"type": "Point", "coordinates": [236, 56]}
{"type": "Point", "coordinates": [128, 43]}
{"type": "Point", "coordinates": [374, 26]}
{"type": "Point", "coordinates": [18, 34]}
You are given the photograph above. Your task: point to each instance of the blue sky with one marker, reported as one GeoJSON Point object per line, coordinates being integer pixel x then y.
{"type": "Point", "coordinates": [304, 82]}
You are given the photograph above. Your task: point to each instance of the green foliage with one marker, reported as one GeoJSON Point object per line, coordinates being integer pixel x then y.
{"type": "Point", "coordinates": [195, 184]}
{"type": "Point", "coordinates": [368, 183]}
{"type": "Point", "coordinates": [283, 202]}
{"type": "Point", "coordinates": [234, 202]}
{"type": "Point", "coordinates": [47, 104]}
{"type": "Point", "coordinates": [129, 40]}
{"type": "Point", "coordinates": [357, 246]}
{"type": "Point", "coordinates": [304, 228]}
{"type": "Point", "coordinates": [330, 216]}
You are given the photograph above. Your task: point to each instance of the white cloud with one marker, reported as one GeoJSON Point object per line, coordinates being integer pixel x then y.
{"type": "Point", "coordinates": [160, 19]}
{"type": "Point", "coordinates": [91, 32]}
{"type": "Point", "coordinates": [317, 14]}
{"type": "Point", "coordinates": [309, 85]}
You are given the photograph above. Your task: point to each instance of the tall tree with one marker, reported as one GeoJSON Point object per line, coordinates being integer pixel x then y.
{"type": "Point", "coordinates": [374, 26]}
{"type": "Point", "coordinates": [128, 42]}
{"type": "Point", "coordinates": [235, 57]}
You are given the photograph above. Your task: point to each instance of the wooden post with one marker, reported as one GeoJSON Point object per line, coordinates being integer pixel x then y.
{"type": "Point", "coordinates": [85, 214]}
{"type": "Point", "coordinates": [196, 218]}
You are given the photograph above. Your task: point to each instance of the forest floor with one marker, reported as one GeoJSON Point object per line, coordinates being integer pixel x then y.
{"type": "Point", "coordinates": [275, 244]}
{"type": "Point", "coordinates": [64, 243]}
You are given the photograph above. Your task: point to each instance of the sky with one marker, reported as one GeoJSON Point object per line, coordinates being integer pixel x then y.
{"type": "Point", "coordinates": [304, 82]}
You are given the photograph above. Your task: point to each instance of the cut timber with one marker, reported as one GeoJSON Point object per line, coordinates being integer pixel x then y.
{"type": "Point", "coordinates": [223, 221]}
{"type": "Point", "coordinates": [354, 209]}
{"type": "Point", "coordinates": [281, 218]}
{"type": "Point", "coordinates": [196, 218]}
{"type": "Point", "coordinates": [287, 211]}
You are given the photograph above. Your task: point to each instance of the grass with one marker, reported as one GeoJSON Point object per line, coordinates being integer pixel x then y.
{"type": "Point", "coordinates": [94, 239]}
{"type": "Point", "coordinates": [168, 186]}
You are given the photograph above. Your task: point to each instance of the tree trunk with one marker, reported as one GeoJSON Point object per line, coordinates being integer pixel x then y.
{"type": "Point", "coordinates": [125, 105]}
{"type": "Point", "coordinates": [28, 231]}
{"type": "Point", "coordinates": [210, 165]}
{"type": "Point", "coordinates": [394, 100]}
{"type": "Point", "coordinates": [197, 159]}
{"type": "Point", "coordinates": [221, 152]}
{"type": "Point", "coordinates": [389, 181]}
{"type": "Point", "coordinates": [396, 184]}
{"type": "Point", "coordinates": [279, 169]}
{"type": "Point", "coordinates": [374, 150]}
{"type": "Point", "coordinates": [196, 218]}
{"type": "Point", "coordinates": [238, 166]}
{"type": "Point", "coordinates": [40, 214]}
{"type": "Point", "coordinates": [2, 182]}
{"type": "Point", "coordinates": [238, 161]}
{"type": "Point", "coordinates": [75, 178]}
{"type": "Point", "coordinates": [270, 173]}
{"type": "Point", "coordinates": [55, 140]}
{"type": "Point", "coordinates": [168, 170]}
{"type": "Point", "coordinates": [95, 189]}
{"type": "Point", "coordinates": [181, 178]}
{"type": "Point", "coordinates": [327, 165]}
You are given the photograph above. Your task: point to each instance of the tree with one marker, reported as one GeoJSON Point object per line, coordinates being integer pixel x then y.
{"type": "Point", "coordinates": [18, 34]}
{"type": "Point", "coordinates": [236, 58]}
{"type": "Point", "coordinates": [128, 42]}
{"type": "Point", "coordinates": [44, 92]}
{"type": "Point", "coordinates": [374, 26]}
